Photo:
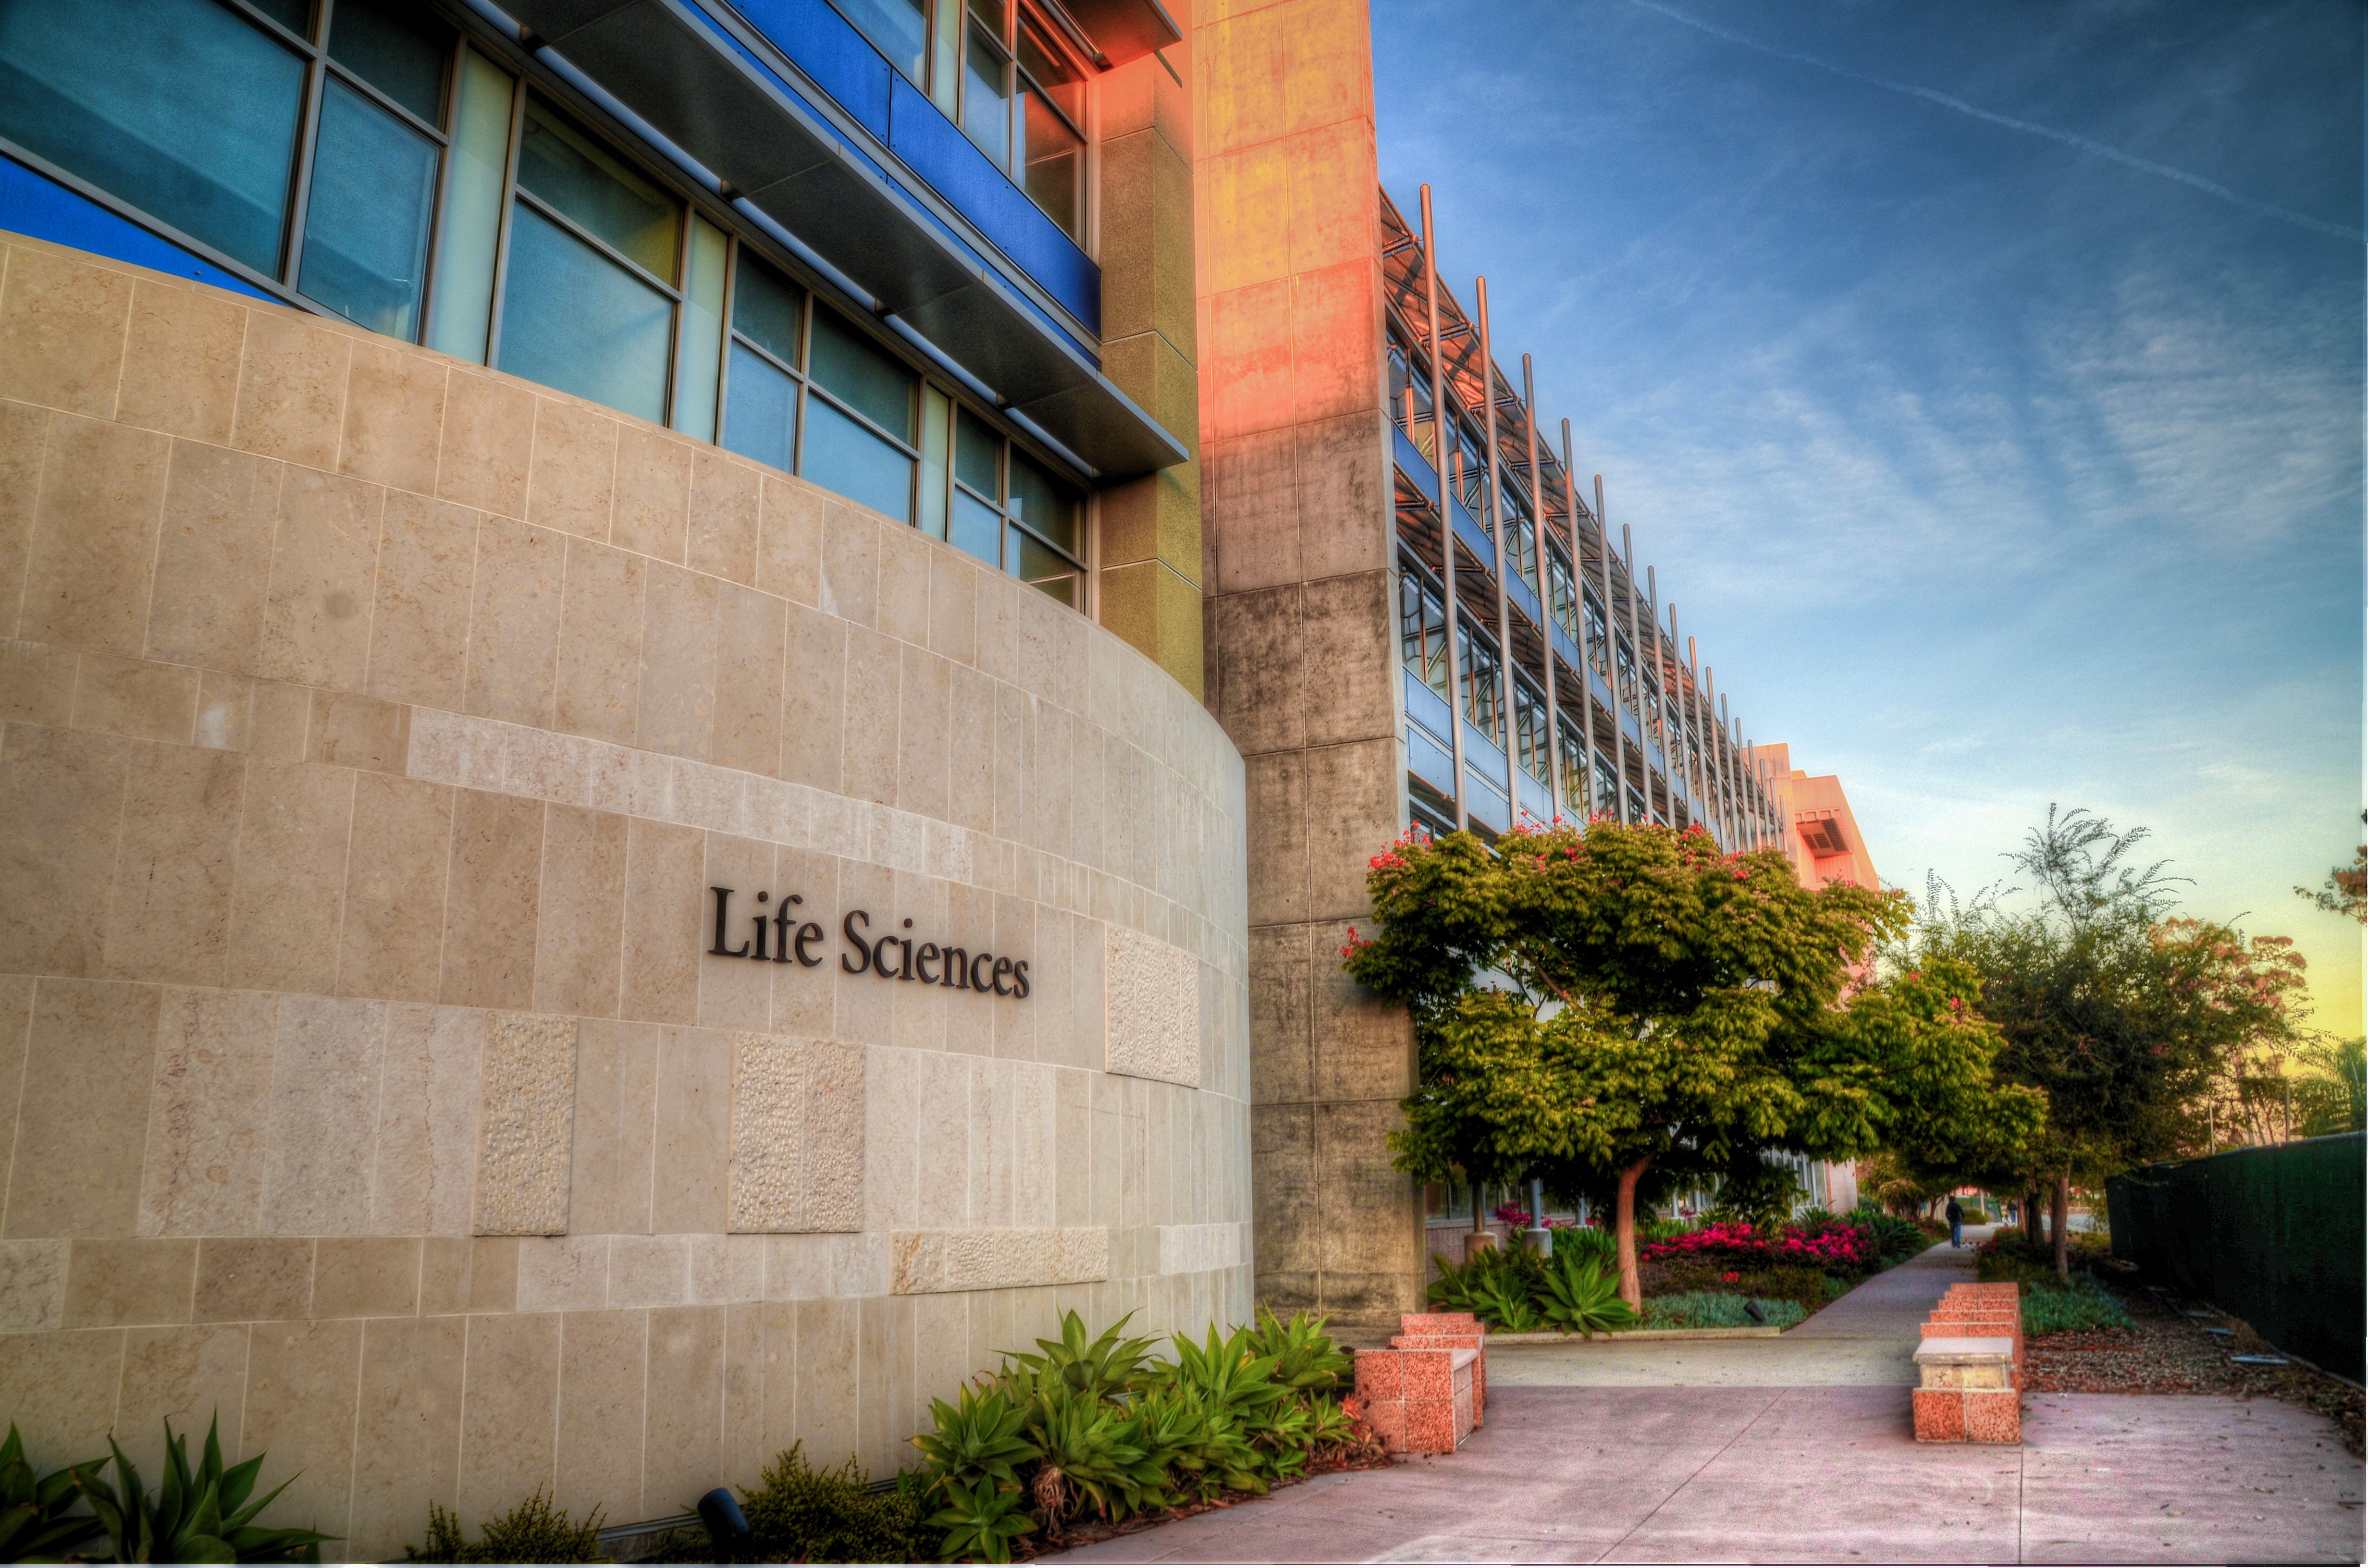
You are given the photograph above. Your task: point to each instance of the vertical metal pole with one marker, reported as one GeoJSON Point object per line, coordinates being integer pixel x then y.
{"type": "Point", "coordinates": [1546, 598]}
{"type": "Point", "coordinates": [1612, 664]}
{"type": "Point", "coordinates": [1578, 608]}
{"type": "Point", "coordinates": [1509, 736]}
{"type": "Point", "coordinates": [1637, 648]}
{"type": "Point", "coordinates": [1660, 685]}
{"type": "Point", "coordinates": [1438, 434]}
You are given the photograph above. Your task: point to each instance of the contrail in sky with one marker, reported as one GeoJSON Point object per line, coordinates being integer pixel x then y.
{"type": "Point", "coordinates": [2210, 187]}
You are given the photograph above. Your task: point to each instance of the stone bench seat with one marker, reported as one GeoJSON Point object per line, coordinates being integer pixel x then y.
{"type": "Point", "coordinates": [1966, 1390]}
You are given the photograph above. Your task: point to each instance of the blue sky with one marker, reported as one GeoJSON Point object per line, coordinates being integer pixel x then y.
{"type": "Point", "coordinates": [1984, 381]}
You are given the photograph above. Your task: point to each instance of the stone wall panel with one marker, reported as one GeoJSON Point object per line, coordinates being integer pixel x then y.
{"type": "Point", "coordinates": [526, 1126]}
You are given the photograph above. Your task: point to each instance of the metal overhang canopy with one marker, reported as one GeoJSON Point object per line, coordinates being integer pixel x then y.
{"type": "Point", "coordinates": [1124, 29]}
{"type": "Point", "coordinates": [720, 108]}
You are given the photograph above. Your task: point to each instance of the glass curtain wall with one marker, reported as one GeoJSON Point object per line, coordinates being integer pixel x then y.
{"type": "Point", "coordinates": [360, 154]}
{"type": "Point", "coordinates": [1484, 702]}
{"type": "Point", "coordinates": [1410, 394]}
{"type": "Point", "coordinates": [1520, 534]}
{"type": "Point", "coordinates": [1575, 802]}
{"type": "Point", "coordinates": [1597, 636]}
{"type": "Point", "coordinates": [1533, 753]}
{"type": "Point", "coordinates": [1422, 630]}
{"type": "Point", "coordinates": [1007, 76]}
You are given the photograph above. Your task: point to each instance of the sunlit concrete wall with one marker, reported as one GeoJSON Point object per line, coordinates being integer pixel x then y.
{"type": "Point", "coordinates": [1296, 514]}
{"type": "Point", "coordinates": [373, 730]}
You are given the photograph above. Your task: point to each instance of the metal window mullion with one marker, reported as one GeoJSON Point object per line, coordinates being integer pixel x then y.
{"type": "Point", "coordinates": [832, 398]}
{"type": "Point", "coordinates": [1579, 597]}
{"type": "Point", "coordinates": [1611, 660]}
{"type": "Point", "coordinates": [1495, 498]}
{"type": "Point", "coordinates": [731, 301]}
{"type": "Point", "coordinates": [806, 352]}
{"type": "Point", "coordinates": [352, 83]}
{"type": "Point", "coordinates": [1439, 416]}
{"type": "Point", "coordinates": [1061, 550]}
{"type": "Point", "coordinates": [509, 215]}
{"type": "Point", "coordinates": [300, 197]}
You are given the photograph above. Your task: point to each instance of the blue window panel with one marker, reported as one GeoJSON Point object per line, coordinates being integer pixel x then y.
{"type": "Point", "coordinates": [761, 421]}
{"type": "Point", "coordinates": [842, 455]}
{"type": "Point", "coordinates": [1525, 599]}
{"type": "Point", "coordinates": [1537, 801]}
{"type": "Point", "coordinates": [826, 47]}
{"type": "Point", "coordinates": [934, 148]}
{"type": "Point", "coordinates": [1429, 709]}
{"type": "Point", "coordinates": [1430, 762]}
{"type": "Point", "coordinates": [1485, 804]}
{"type": "Point", "coordinates": [574, 320]}
{"type": "Point", "coordinates": [1413, 464]}
{"type": "Point", "coordinates": [366, 227]}
{"type": "Point", "coordinates": [1601, 689]}
{"type": "Point", "coordinates": [978, 529]}
{"type": "Point", "coordinates": [1485, 755]}
{"type": "Point", "coordinates": [102, 88]}
{"type": "Point", "coordinates": [32, 203]}
{"type": "Point", "coordinates": [1476, 539]}
{"type": "Point", "coordinates": [1628, 727]}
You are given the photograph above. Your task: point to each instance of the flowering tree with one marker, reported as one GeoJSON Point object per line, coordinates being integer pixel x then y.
{"type": "Point", "coordinates": [1611, 999]}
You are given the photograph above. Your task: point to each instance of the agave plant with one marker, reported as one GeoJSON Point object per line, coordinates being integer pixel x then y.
{"type": "Point", "coordinates": [1201, 1443]}
{"type": "Point", "coordinates": [35, 1523]}
{"type": "Point", "coordinates": [978, 1438]}
{"type": "Point", "coordinates": [1503, 1302]}
{"type": "Point", "coordinates": [1088, 1449]}
{"type": "Point", "coordinates": [1580, 1296]}
{"type": "Point", "coordinates": [1303, 1355]}
{"type": "Point", "coordinates": [199, 1518]}
{"type": "Point", "coordinates": [1100, 1367]}
{"type": "Point", "coordinates": [980, 1521]}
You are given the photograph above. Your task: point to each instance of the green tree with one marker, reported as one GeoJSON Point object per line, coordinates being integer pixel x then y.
{"type": "Point", "coordinates": [1593, 1004]}
{"type": "Point", "coordinates": [2128, 1021]}
{"type": "Point", "coordinates": [2345, 891]}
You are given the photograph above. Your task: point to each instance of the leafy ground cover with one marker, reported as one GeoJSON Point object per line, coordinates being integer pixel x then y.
{"type": "Point", "coordinates": [1719, 1308]}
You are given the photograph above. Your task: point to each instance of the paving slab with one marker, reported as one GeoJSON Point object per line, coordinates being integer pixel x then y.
{"type": "Point", "coordinates": [1603, 1453]}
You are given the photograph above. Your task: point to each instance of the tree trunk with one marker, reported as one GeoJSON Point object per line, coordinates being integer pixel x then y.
{"type": "Point", "coordinates": [2058, 1211]}
{"type": "Point", "coordinates": [1623, 1230]}
{"type": "Point", "coordinates": [2030, 1216]}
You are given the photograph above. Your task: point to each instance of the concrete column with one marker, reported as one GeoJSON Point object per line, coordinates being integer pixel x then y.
{"type": "Point", "coordinates": [1302, 639]}
{"type": "Point", "coordinates": [1150, 541]}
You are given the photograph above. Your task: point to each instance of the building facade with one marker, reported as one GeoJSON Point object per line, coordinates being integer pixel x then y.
{"type": "Point", "coordinates": [608, 855]}
{"type": "Point", "coordinates": [1417, 617]}
{"type": "Point", "coordinates": [692, 702]}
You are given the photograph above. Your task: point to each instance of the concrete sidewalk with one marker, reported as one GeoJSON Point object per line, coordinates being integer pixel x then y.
{"type": "Point", "coordinates": [1799, 1450]}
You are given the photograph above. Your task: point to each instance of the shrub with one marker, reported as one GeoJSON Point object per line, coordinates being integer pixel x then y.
{"type": "Point", "coordinates": [534, 1532]}
{"type": "Point", "coordinates": [1973, 1214]}
{"type": "Point", "coordinates": [2009, 1254]}
{"type": "Point", "coordinates": [1896, 1239]}
{"type": "Point", "coordinates": [37, 1516]}
{"type": "Point", "coordinates": [1835, 1247]}
{"type": "Point", "coordinates": [2088, 1305]}
{"type": "Point", "coordinates": [201, 1515]}
{"type": "Point", "coordinates": [1718, 1309]}
{"type": "Point", "coordinates": [798, 1513]}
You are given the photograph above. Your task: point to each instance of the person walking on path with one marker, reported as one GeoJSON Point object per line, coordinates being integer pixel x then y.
{"type": "Point", "coordinates": [1956, 1224]}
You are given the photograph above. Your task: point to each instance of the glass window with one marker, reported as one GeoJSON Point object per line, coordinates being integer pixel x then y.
{"type": "Point", "coordinates": [977, 528]}
{"type": "Point", "coordinates": [766, 309]}
{"type": "Point", "coordinates": [1422, 630]}
{"type": "Point", "coordinates": [1596, 633]}
{"type": "Point", "coordinates": [1530, 730]}
{"type": "Point", "coordinates": [1043, 503]}
{"type": "Point", "coordinates": [1045, 568]}
{"type": "Point", "coordinates": [843, 454]}
{"type": "Point", "coordinates": [897, 29]}
{"type": "Point", "coordinates": [861, 374]}
{"type": "Point", "coordinates": [469, 243]}
{"type": "Point", "coordinates": [937, 434]}
{"type": "Point", "coordinates": [1574, 771]}
{"type": "Point", "coordinates": [596, 189]}
{"type": "Point", "coordinates": [1607, 786]}
{"type": "Point", "coordinates": [403, 52]}
{"type": "Point", "coordinates": [574, 319]}
{"type": "Point", "coordinates": [978, 457]}
{"type": "Point", "coordinates": [761, 421]}
{"type": "Point", "coordinates": [987, 94]}
{"type": "Point", "coordinates": [1484, 702]}
{"type": "Point", "coordinates": [108, 90]}
{"type": "Point", "coordinates": [1562, 595]}
{"type": "Point", "coordinates": [1052, 153]}
{"type": "Point", "coordinates": [699, 343]}
{"type": "Point", "coordinates": [1521, 548]}
{"type": "Point", "coordinates": [366, 224]}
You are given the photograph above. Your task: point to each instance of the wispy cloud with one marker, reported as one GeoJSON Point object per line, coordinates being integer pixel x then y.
{"type": "Point", "coordinates": [2069, 139]}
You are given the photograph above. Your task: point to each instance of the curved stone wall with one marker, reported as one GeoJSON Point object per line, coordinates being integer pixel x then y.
{"type": "Point", "coordinates": [372, 1070]}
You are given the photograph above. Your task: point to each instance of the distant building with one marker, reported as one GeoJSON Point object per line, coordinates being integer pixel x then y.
{"type": "Point", "coordinates": [1820, 834]}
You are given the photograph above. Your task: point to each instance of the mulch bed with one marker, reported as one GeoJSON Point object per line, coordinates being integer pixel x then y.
{"type": "Point", "coordinates": [2169, 1352]}
{"type": "Point", "coordinates": [1085, 1532]}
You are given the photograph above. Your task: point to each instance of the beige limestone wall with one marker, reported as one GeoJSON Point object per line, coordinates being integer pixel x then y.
{"type": "Point", "coordinates": [372, 729]}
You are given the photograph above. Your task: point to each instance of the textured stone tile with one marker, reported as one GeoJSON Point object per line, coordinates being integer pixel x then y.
{"type": "Point", "coordinates": [723, 515]}
{"type": "Point", "coordinates": [602, 1377]}
{"type": "Point", "coordinates": [193, 1377]}
{"type": "Point", "coordinates": [797, 1135]}
{"type": "Point", "coordinates": [563, 1273]}
{"type": "Point", "coordinates": [202, 1173]}
{"type": "Point", "coordinates": [428, 1121]}
{"type": "Point", "coordinates": [94, 525]}
{"type": "Point", "coordinates": [61, 331]}
{"type": "Point", "coordinates": [665, 900]}
{"type": "Point", "coordinates": [32, 1285]}
{"type": "Point", "coordinates": [325, 1066]}
{"type": "Point", "coordinates": [488, 440]}
{"type": "Point", "coordinates": [393, 415]}
{"type": "Point", "coordinates": [390, 940]}
{"type": "Point", "coordinates": [170, 916]}
{"type": "Point", "coordinates": [682, 1438]}
{"type": "Point", "coordinates": [653, 492]}
{"type": "Point", "coordinates": [366, 1276]}
{"type": "Point", "coordinates": [694, 1131]}
{"type": "Point", "coordinates": [419, 631]}
{"type": "Point", "coordinates": [986, 1259]}
{"type": "Point", "coordinates": [526, 1122]}
{"type": "Point", "coordinates": [490, 900]}
{"type": "Point", "coordinates": [513, 659]}
{"type": "Point", "coordinates": [292, 389]}
{"type": "Point", "coordinates": [749, 631]}
{"type": "Point", "coordinates": [582, 907]}
{"type": "Point", "coordinates": [243, 1278]}
{"type": "Point", "coordinates": [510, 1419]}
{"type": "Point", "coordinates": [600, 643]}
{"type": "Point", "coordinates": [316, 615]}
{"type": "Point", "coordinates": [406, 1432]}
{"type": "Point", "coordinates": [294, 821]}
{"type": "Point", "coordinates": [24, 437]}
{"type": "Point", "coordinates": [181, 367]}
{"type": "Point", "coordinates": [572, 486]}
{"type": "Point", "coordinates": [112, 1283]}
{"type": "Point", "coordinates": [135, 697]}
{"type": "Point", "coordinates": [213, 562]}
{"type": "Point", "coordinates": [788, 553]}
{"type": "Point", "coordinates": [82, 1116]}
{"type": "Point", "coordinates": [1152, 994]}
